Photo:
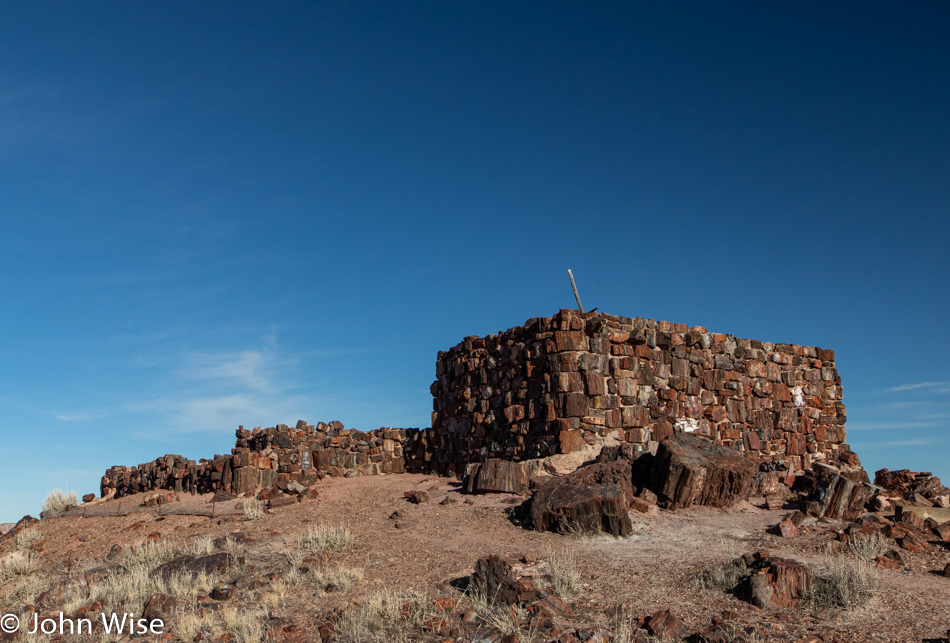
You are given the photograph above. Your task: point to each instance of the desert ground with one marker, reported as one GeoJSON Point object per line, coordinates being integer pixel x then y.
{"type": "Point", "coordinates": [387, 568]}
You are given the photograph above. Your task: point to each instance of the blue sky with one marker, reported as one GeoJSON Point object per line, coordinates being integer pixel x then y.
{"type": "Point", "coordinates": [215, 214]}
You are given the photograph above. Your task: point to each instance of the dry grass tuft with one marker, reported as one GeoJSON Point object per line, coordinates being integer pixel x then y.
{"type": "Point", "coordinates": [325, 538]}
{"type": "Point", "coordinates": [562, 570]}
{"type": "Point", "coordinates": [385, 617]}
{"type": "Point", "coordinates": [868, 547]}
{"type": "Point", "coordinates": [58, 501]}
{"type": "Point", "coordinates": [843, 583]}
{"type": "Point", "coordinates": [724, 577]}
{"type": "Point", "coordinates": [17, 564]}
{"type": "Point", "coordinates": [189, 626]}
{"type": "Point", "coordinates": [28, 537]}
{"type": "Point", "coordinates": [246, 625]}
{"type": "Point", "coordinates": [508, 620]}
{"type": "Point", "coordinates": [334, 579]}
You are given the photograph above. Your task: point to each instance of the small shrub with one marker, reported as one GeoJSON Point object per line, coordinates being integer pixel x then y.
{"type": "Point", "coordinates": [325, 538]}
{"type": "Point", "coordinates": [868, 547]}
{"type": "Point", "coordinates": [17, 564]}
{"type": "Point", "coordinates": [842, 583]}
{"type": "Point", "coordinates": [151, 554]}
{"type": "Point", "coordinates": [26, 591]}
{"type": "Point", "coordinates": [58, 501]}
{"type": "Point", "coordinates": [28, 537]}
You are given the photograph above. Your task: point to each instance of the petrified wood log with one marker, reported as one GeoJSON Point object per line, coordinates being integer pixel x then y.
{"type": "Point", "coordinates": [689, 470]}
{"type": "Point", "coordinates": [503, 580]}
{"type": "Point", "coordinates": [565, 507]}
{"type": "Point", "coordinates": [498, 476]}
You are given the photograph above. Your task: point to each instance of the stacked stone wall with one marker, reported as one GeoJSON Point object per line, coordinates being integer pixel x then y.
{"type": "Point", "coordinates": [273, 457]}
{"type": "Point", "coordinates": [557, 384]}
{"type": "Point", "coordinates": [553, 386]}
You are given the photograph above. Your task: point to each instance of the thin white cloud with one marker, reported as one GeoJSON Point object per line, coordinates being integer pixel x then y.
{"type": "Point", "coordinates": [225, 412]}
{"type": "Point", "coordinates": [933, 416]}
{"type": "Point", "coordinates": [84, 415]}
{"type": "Point", "coordinates": [258, 370]}
{"type": "Point", "coordinates": [936, 387]}
{"type": "Point", "coordinates": [880, 426]}
{"type": "Point", "coordinates": [917, 442]}
{"type": "Point", "coordinates": [901, 405]}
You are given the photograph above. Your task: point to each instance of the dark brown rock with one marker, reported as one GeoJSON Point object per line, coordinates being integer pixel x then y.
{"type": "Point", "coordinates": [834, 495]}
{"type": "Point", "coordinates": [211, 564]}
{"type": "Point", "coordinates": [24, 523]}
{"type": "Point", "coordinates": [160, 606]}
{"type": "Point", "coordinates": [498, 476]}
{"type": "Point", "coordinates": [619, 473]}
{"type": "Point", "coordinates": [565, 508]}
{"type": "Point", "coordinates": [246, 480]}
{"type": "Point", "coordinates": [60, 593]}
{"type": "Point", "coordinates": [417, 497]}
{"type": "Point", "coordinates": [778, 583]}
{"type": "Point", "coordinates": [507, 581]}
{"type": "Point", "coordinates": [786, 529]}
{"type": "Point", "coordinates": [910, 518]}
{"type": "Point", "coordinates": [913, 543]}
{"type": "Point", "coordinates": [689, 470]}
{"type": "Point", "coordinates": [665, 625]}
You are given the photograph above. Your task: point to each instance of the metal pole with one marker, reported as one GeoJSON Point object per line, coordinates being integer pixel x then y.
{"type": "Point", "coordinates": [574, 287]}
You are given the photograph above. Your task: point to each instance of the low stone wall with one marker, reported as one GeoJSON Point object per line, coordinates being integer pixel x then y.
{"type": "Point", "coordinates": [557, 384]}
{"type": "Point", "coordinates": [274, 457]}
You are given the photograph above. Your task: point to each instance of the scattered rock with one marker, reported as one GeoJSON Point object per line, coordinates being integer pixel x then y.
{"type": "Point", "coordinates": [828, 492]}
{"type": "Point", "coordinates": [644, 506]}
{"type": "Point", "coordinates": [665, 625]}
{"type": "Point", "coordinates": [296, 488]}
{"type": "Point", "coordinates": [417, 497]}
{"type": "Point", "coordinates": [786, 529]}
